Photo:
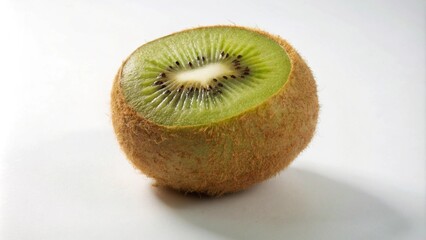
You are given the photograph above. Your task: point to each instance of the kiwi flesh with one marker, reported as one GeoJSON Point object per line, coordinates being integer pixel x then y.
{"type": "Point", "coordinates": [214, 109]}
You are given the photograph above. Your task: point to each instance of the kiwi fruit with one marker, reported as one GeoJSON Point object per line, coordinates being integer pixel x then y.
{"type": "Point", "coordinates": [214, 109]}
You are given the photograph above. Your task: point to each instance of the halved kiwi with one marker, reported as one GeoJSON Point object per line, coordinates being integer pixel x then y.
{"type": "Point", "coordinates": [214, 109]}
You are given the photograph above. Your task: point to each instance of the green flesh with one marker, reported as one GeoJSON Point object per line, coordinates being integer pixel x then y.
{"type": "Point", "coordinates": [258, 67]}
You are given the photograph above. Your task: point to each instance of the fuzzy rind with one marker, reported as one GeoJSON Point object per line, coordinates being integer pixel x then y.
{"type": "Point", "coordinates": [230, 155]}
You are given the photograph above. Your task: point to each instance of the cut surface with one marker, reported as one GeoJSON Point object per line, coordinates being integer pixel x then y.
{"type": "Point", "coordinates": [204, 75]}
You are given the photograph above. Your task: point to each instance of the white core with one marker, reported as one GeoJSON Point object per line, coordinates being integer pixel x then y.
{"type": "Point", "coordinates": [203, 75]}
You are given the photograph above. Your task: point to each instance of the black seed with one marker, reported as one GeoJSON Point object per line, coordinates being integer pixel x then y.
{"type": "Point", "coordinates": [247, 69]}
{"type": "Point", "coordinates": [196, 89]}
{"type": "Point", "coordinates": [237, 67]}
{"type": "Point", "coordinates": [198, 58]}
{"type": "Point", "coordinates": [225, 77]}
{"type": "Point", "coordinates": [246, 73]}
{"type": "Point", "coordinates": [158, 83]}
{"type": "Point", "coordinates": [227, 55]}
{"type": "Point", "coordinates": [214, 80]}
{"type": "Point", "coordinates": [222, 53]}
{"type": "Point", "coordinates": [218, 91]}
{"type": "Point", "coordinates": [220, 84]}
{"type": "Point", "coordinates": [203, 58]}
{"type": "Point", "coordinates": [242, 76]}
{"type": "Point", "coordinates": [167, 92]}
{"type": "Point", "coordinates": [190, 64]}
{"type": "Point", "coordinates": [239, 56]}
{"type": "Point", "coordinates": [162, 86]}
{"type": "Point", "coordinates": [210, 87]}
{"type": "Point", "coordinates": [177, 63]}
{"type": "Point", "coordinates": [181, 87]}
{"type": "Point", "coordinates": [232, 76]}
{"type": "Point", "coordinates": [162, 75]}
{"type": "Point", "coordinates": [170, 67]}
{"type": "Point", "coordinates": [236, 64]}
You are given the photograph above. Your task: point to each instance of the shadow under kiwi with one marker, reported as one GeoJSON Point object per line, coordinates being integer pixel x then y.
{"type": "Point", "coordinates": [299, 204]}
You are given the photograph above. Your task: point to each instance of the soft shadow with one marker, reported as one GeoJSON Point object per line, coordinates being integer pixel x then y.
{"type": "Point", "coordinates": [298, 204]}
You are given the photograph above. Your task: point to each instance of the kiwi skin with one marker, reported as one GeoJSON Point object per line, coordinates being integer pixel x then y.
{"type": "Point", "coordinates": [226, 156]}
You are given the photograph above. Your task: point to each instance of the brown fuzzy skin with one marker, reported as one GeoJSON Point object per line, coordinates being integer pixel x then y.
{"type": "Point", "coordinates": [230, 155]}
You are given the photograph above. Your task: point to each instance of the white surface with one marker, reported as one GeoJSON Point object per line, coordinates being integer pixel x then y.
{"type": "Point", "coordinates": [63, 175]}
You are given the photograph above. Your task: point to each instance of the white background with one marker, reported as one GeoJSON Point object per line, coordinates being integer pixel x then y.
{"type": "Point", "coordinates": [63, 176]}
